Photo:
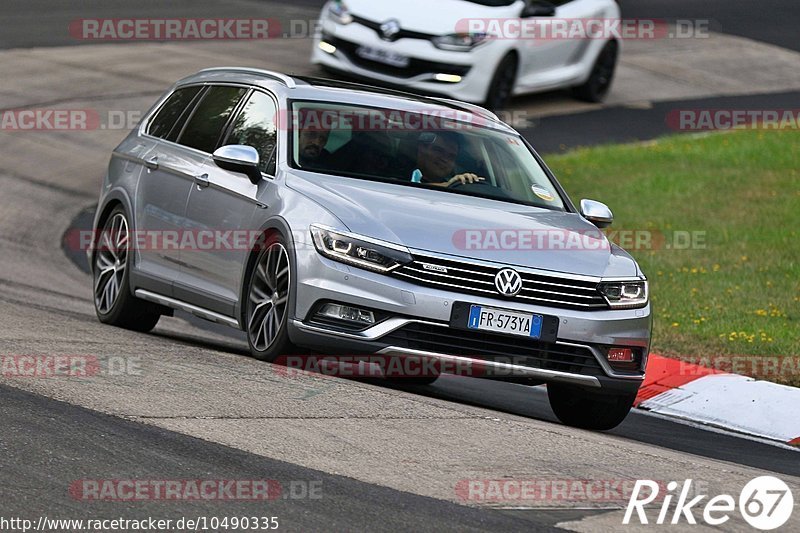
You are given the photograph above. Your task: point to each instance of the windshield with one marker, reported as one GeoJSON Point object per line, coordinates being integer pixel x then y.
{"type": "Point", "coordinates": [450, 151]}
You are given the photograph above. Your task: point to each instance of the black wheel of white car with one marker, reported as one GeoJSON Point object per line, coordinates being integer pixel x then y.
{"type": "Point", "coordinates": [268, 302]}
{"type": "Point", "coordinates": [113, 301]}
{"type": "Point", "coordinates": [596, 87]}
{"type": "Point", "coordinates": [579, 407]}
{"type": "Point", "coordinates": [502, 86]}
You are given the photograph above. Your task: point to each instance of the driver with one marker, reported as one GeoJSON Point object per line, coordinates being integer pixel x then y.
{"type": "Point", "coordinates": [314, 130]}
{"type": "Point", "coordinates": [312, 143]}
{"type": "Point", "coordinates": [436, 161]}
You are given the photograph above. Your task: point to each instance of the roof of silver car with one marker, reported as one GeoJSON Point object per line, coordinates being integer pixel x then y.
{"type": "Point", "coordinates": [292, 82]}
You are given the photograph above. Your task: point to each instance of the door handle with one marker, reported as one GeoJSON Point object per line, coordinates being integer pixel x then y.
{"type": "Point", "coordinates": [152, 163]}
{"type": "Point", "coordinates": [201, 181]}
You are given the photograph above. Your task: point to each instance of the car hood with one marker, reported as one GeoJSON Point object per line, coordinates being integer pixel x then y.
{"type": "Point", "coordinates": [438, 17]}
{"type": "Point", "coordinates": [476, 228]}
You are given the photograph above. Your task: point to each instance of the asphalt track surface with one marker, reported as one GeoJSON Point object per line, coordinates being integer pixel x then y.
{"type": "Point", "coordinates": [770, 21]}
{"type": "Point", "coordinates": [162, 427]}
{"type": "Point", "coordinates": [90, 445]}
{"type": "Point", "coordinates": [25, 23]}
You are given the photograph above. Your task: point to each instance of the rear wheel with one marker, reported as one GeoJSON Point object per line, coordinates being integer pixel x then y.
{"type": "Point", "coordinates": [267, 303]}
{"type": "Point", "coordinates": [582, 408]}
{"type": "Point", "coordinates": [596, 87]}
{"type": "Point", "coordinates": [113, 302]}
{"type": "Point", "coordinates": [502, 86]}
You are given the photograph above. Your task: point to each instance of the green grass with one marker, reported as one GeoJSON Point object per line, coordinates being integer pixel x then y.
{"type": "Point", "coordinates": [740, 295]}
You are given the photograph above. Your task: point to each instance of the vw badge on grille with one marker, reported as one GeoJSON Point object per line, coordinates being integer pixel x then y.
{"type": "Point", "coordinates": [508, 282]}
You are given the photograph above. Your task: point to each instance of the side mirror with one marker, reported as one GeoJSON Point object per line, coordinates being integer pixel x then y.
{"type": "Point", "coordinates": [539, 9]}
{"type": "Point", "coordinates": [597, 213]}
{"type": "Point", "coordinates": [239, 158]}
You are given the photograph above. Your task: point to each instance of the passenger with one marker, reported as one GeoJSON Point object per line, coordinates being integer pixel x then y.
{"type": "Point", "coordinates": [436, 161]}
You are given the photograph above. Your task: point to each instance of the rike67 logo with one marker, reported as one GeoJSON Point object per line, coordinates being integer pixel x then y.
{"type": "Point", "coordinates": [766, 503]}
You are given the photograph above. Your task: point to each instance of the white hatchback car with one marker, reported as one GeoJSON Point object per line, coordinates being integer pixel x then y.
{"type": "Point", "coordinates": [480, 51]}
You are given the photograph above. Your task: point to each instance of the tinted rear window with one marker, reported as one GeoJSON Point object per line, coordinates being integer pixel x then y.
{"type": "Point", "coordinates": [204, 128]}
{"type": "Point", "coordinates": [177, 105]}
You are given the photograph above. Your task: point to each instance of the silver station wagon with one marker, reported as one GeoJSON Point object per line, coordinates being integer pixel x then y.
{"type": "Point", "coordinates": [340, 220]}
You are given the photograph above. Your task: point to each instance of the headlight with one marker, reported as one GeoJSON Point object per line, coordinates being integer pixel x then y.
{"type": "Point", "coordinates": [338, 12]}
{"type": "Point", "coordinates": [461, 42]}
{"type": "Point", "coordinates": [359, 251]}
{"type": "Point", "coordinates": [624, 294]}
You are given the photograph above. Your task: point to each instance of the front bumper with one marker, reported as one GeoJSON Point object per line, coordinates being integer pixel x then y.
{"type": "Point", "coordinates": [418, 324]}
{"type": "Point", "coordinates": [474, 68]}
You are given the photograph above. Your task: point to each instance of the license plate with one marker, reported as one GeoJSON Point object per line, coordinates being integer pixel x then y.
{"type": "Point", "coordinates": [383, 56]}
{"type": "Point", "coordinates": [504, 321]}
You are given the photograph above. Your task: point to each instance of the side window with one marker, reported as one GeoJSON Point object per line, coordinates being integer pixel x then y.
{"type": "Point", "coordinates": [255, 126]}
{"type": "Point", "coordinates": [177, 106]}
{"type": "Point", "coordinates": [205, 125]}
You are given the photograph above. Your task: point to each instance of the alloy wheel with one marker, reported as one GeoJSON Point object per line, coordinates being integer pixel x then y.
{"type": "Point", "coordinates": [269, 296]}
{"type": "Point", "coordinates": [111, 260]}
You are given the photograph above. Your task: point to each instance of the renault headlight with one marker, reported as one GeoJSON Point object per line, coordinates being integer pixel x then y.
{"type": "Point", "coordinates": [359, 251]}
{"type": "Point", "coordinates": [625, 294]}
{"type": "Point", "coordinates": [461, 42]}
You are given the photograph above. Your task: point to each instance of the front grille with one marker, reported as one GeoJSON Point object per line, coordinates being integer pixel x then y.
{"type": "Point", "coordinates": [479, 280]}
{"type": "Point", "coordinates": [402, 34]}
{"type": "Point", "coordinates": [484, 346]}
{"type": "Point", "coordinates": [415, 66]}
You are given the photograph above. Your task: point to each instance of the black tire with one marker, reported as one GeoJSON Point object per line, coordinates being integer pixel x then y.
{"type": "Point", "coordinates": [264, 277]}
{"type": "Point", "coordinates": [582, 408]}
{"type": "Point", "coordinates": [114, 303]}
{"type": "Point", "coordinates": [597, 86]}
{"type": "Point", "coordinates": [502, 86]}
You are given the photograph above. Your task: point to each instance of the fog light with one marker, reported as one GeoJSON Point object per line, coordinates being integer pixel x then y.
{"type": "Point", "coordinates": [328, 48]}
{"type": "Point", "coordinates": [448, 78]}
{"type": "Point", "coordinates": [345, 312]}
{"type": "Point", "coordinates": [620, 355]}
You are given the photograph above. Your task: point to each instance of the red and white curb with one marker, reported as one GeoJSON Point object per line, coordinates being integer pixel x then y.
{"type": "Point", "coordinates": [734, 402]}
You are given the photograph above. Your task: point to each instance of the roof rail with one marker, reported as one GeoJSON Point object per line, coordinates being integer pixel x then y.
{"type": "Point", "coordinates": [473, 108]}
{"type": "Point", "coordinates": [288, 81]}
{"type": "Point", "coordinates": [344, 84]}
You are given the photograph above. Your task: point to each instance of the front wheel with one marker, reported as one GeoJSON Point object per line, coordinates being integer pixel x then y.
{"type": "Point", "coordinates": [267, 303]}
{"type": "Point", "coordinates": [596, 87]}
{"type": "Point", "coordinates": [579, 407]}
{"type": "Point", "coordinates": [113, 302]}
{"type": "Point", "coordinates": [502, 86]}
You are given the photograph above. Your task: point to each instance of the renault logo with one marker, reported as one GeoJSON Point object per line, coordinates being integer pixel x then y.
{"type": "Point", "coordinates": [508, 282]}
{"type": "Point", "coordinates": [390, 28]}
